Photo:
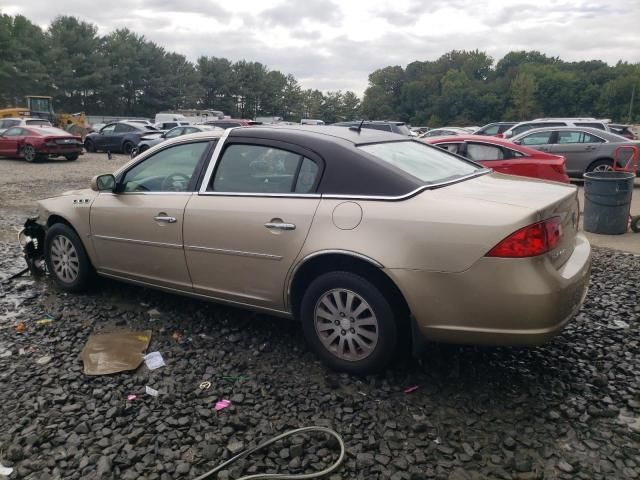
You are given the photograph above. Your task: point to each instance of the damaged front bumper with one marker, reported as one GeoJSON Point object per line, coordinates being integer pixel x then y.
{"type": "Point", "coordinates": [31, 239]}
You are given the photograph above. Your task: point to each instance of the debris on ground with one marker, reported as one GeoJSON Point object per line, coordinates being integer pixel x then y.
{"type": "Point", "coordinates": [113, 352]}
{"type": "Point", "coordinates": [21, 327]}
{"type": "Point", "coordinates": [151, 391]}
{"type": "Point", "coordinates": [154, 360]}
{"type": "Point", "coordinates": [221, 405]}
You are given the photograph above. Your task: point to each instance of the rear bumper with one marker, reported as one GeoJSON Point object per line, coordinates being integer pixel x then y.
{"type": "Point", "coordinates": [498, 301]}
{"type": "Point", "coordinates": [60, 150]}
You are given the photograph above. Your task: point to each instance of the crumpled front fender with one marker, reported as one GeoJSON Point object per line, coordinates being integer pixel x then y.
{"type": "Point", "coordinates": [31, 239]}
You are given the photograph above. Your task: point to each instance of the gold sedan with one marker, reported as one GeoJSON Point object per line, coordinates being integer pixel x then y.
{"type": "Point", "coordinates": [370, 239]}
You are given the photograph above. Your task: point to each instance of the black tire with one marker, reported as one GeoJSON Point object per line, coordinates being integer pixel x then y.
{"type": "Point", "coordinates": [142, 148]}
{"type": "Point", "coordinates": [89, 146]}
{"type": "Point", "coordinates": [72, 157]}
{"type": "Point", "coordinates": [635, 224]}
{"type": "Point", "coordinates": [599, 164]}
{"type": "Point", "coordinates": [127, 147]}
{"type": "Point", "coordinates": [380, 308]}
{"type": "Point", "coordinates": [61, 232]}
{"type": "Point", "coordinates": [29, 154]}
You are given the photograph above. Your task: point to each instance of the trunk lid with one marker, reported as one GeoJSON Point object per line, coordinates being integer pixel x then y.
{"type": "Point", "coordinates": [544, 199]}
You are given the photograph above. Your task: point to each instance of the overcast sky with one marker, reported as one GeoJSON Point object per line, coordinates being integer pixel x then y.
{"type": "Point", "coordinates": [333, 45]}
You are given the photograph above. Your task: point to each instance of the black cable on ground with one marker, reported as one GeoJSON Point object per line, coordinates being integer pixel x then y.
{"type": "Point", "coordinates": [283, 476]}
{"type": "Point", "coordinates": [16, 275]}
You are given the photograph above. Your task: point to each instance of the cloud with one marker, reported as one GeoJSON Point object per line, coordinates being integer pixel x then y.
{"type": "Point", "coordinates": [291, 12]}
{"type": "Point", "coordinates": [332, 46]}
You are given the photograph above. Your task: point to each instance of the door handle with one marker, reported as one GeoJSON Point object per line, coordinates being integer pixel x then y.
{"type": "Point", "coordinates": [165, 218]}
{"type": "Point", "coordinates": [590, 147]}
{"type": "Point", "coordinates": [280, 226]}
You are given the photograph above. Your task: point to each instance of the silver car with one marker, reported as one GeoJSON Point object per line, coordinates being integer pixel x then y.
{"type": "Point", "coordinates": [585, 149]}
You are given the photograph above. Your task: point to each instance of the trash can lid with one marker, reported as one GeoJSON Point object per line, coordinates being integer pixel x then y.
{"type": "Point", "coordinates": [611, 175]}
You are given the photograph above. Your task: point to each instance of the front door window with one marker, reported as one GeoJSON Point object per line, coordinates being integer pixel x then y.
{"type": "Point", "coordinates": [170, 170]}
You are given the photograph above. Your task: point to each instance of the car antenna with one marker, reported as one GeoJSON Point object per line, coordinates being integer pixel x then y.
{"type": "Point", "coordinates": [358, 128]}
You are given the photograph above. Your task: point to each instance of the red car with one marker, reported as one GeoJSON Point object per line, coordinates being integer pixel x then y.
{"type": "Point", "coordinates": [504, 156]}
{"type": "Point", "coordinates": [38, 143]}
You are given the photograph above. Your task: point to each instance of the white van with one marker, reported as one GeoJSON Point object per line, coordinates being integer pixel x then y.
{"type": "Point", "coordinates": [170, 117]}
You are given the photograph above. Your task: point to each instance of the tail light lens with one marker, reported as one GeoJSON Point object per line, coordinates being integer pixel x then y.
{"type": "Point", "coordinates": [530, 241]}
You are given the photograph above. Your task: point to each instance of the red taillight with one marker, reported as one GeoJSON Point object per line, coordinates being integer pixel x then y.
{"type": "Point", "coordinates": [530, 241]}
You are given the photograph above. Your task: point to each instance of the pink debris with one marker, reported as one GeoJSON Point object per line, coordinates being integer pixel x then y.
{"type": "Point", "coordinates": [222, 404]}
{"type": "Point", "coordinates": [411, 389]}
{"type": "Point", "coordinates": [131, 397]}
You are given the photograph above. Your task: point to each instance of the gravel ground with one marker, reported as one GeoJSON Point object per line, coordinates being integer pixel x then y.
{"type": "Point", "coordinates": [566, 410]}
{"type": "Point", "coordinates": [23, 183]}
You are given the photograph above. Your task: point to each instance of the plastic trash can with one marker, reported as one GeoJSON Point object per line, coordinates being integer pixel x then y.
{"type": "Point", "coordinates": [607, 200]}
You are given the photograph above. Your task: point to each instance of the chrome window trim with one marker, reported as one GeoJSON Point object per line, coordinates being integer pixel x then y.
{"type": "Point", "coordinates": [147, 193]}
{"type": "Point", "coordinates": [213, 161]}
{"type": "Point", "coordinates": [239, 253]}
{"type": "Point", "coordinates": [410, 194]}
{"type": "Point", "coordinates": [266, 195]}
{"type": "Point", "coordinates": [138, 242]}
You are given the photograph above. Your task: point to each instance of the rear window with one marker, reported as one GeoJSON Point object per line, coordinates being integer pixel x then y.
{"type": "Point", "coordinates": [428, 164]}
{"type": "Point", "coordinates": [402, 130]}
{"type": "Point", "coordinates": [42, 123]}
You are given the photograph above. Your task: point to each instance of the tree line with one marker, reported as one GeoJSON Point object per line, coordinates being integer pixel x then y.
{"type": "Point", "coordinates": [468, 87]}
{"type": "Point", "coordinates": [123, 73]}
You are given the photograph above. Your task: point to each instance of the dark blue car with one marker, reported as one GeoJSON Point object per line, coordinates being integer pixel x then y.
{"type": "Point", "coordinates": [121, 137]}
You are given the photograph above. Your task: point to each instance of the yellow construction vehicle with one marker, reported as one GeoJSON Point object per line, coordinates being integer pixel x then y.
{"type": "Point", "coordinates": [42, 107]}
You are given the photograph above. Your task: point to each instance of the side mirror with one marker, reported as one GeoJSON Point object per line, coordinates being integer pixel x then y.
{"type": "Point", "coordinates": [101, 183]}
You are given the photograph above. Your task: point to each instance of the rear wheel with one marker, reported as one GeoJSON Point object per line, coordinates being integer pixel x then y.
{"type": "Point", "coordinates": [349, 323]}
{"type": "Point", "coordinates": [66, 258]}
{"type": "Point", "coordinates": [72, 157]}
{"type": "Point", "coordinates": [29, 153]}
{"type": "Point", "coordinates": [601, 166]}
{"type": "Point", "coordinates": [89, 146]}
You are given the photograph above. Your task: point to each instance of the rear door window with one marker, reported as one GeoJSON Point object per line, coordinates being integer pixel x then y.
{"type": "Point", "coordinates": [264, 169]}
{"type": "Point", "coordinates": [123, 128]}
{"type": "Point", "coordinates": [576, 136]}
{"type": "Point", "coordinates": [480, 151]}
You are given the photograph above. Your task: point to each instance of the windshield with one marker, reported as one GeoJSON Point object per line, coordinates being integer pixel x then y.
{"type": "Point", "coordinates": [426, 163]}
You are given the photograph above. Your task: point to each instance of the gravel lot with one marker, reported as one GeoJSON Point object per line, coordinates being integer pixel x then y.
{"type": "Point", "coordinates": [566, 410]}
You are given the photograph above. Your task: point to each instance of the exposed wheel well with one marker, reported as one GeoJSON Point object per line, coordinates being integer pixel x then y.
{"type": "Point", "coordinates": [53, 219]}
{"type": "Point", "coordinates": [332, 262]}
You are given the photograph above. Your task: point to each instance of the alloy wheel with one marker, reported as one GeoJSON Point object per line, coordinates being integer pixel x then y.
{"type": "Point", "coordinates": [346, 324]}
{"type": "Point", "coordinates": [64, 259]}
{"type": "Point", "coordinates": [29, 153]}
{"type": "Point", "coordinates": [602, 168]}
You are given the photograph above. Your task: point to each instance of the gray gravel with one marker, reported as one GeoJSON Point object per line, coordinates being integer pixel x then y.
{"type": "Point", "coordinates": [569, 409]}
{"type": "Point", "coordinates": [566, 410]}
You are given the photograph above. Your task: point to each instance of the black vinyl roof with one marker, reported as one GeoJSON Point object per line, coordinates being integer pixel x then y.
{"type": "Point", "coordinates": [348, 170]}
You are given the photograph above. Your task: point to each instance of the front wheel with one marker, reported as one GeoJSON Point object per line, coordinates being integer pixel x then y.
{"type": "Point", "coordinates": [349, 323]}
{"type": "Point", "coordinates": [66, 259]}
{"type": "Point", "coordinates": [72, 157]}
{"type": "Point", "coordinates": [89, 146]}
